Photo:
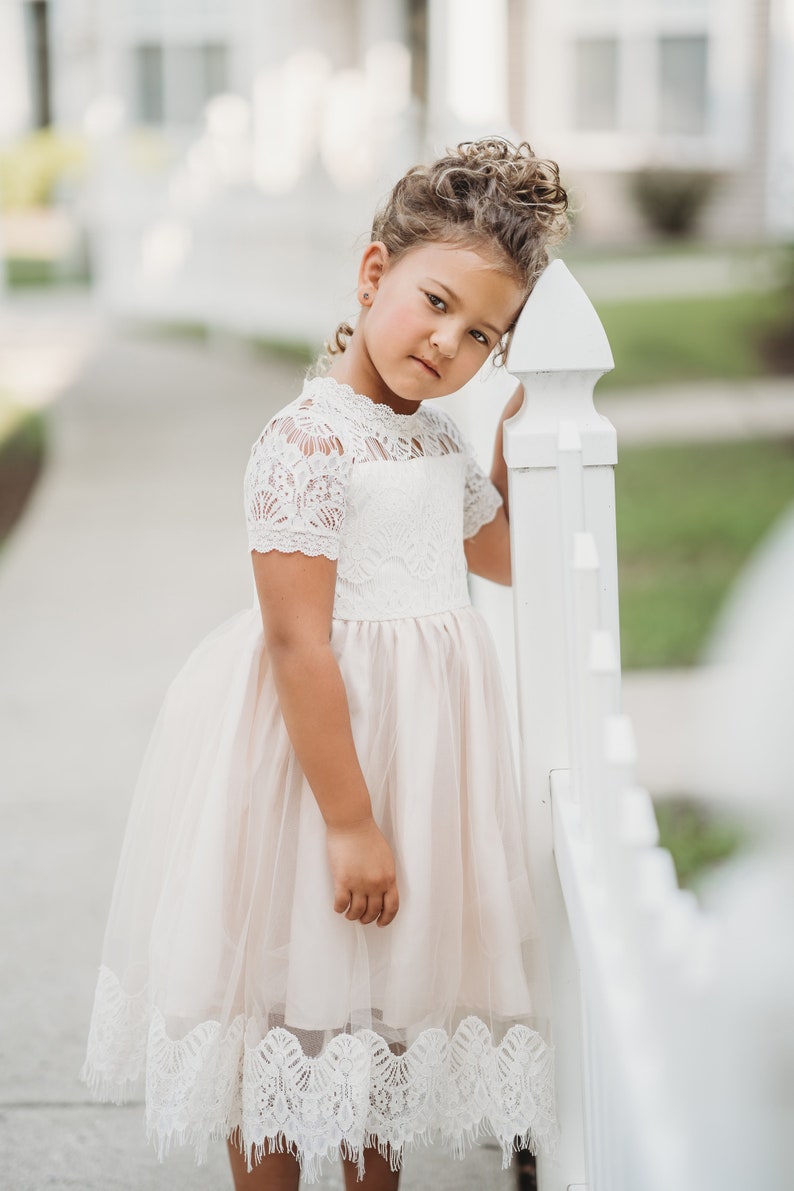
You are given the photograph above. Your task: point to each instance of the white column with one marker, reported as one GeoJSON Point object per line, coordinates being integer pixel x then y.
{"type": "Point", "coordinates": [15, 110]}
{"type": "Point", "coordinates": [383, 36]}
{"type": "Point", "coordinates": [780, 137]}
{"type": "Point", "coordinates": [383, 20]}
{"type": "Point", "coordinates": [468, 64]}
{"type": "Point", "coordinates": [437, 121]}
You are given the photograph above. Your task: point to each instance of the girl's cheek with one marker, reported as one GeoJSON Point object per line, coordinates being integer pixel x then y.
{"type": "Point", "coordinates": [472, 359]}
{"type": "Point", "coordinates": [407, 315]}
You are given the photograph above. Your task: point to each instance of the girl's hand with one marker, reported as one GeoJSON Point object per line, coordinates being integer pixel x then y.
{"type": "Point", "coordinates": [363, 871]}
{"type": "Point", "coordinates": [498, 466]}
{"type": "Point", "coordinates": [514, 404]}
{"type": "Point", "coordinates": [488, 552]}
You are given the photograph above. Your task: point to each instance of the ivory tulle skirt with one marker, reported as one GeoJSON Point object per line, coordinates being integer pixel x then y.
{"type": "Point", "coordinates": [229, 985]}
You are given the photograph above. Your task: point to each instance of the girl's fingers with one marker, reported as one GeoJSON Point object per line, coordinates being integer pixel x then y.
{"type": "Point", "coordinates": [357, 907]}
{"type": "Point", "coordinates": [374, 908]}
{"type": "Point", "coordinates": [391, 904]}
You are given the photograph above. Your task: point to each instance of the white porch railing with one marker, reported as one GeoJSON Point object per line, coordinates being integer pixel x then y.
{"type": "Point", "coordinates": [633, 978]}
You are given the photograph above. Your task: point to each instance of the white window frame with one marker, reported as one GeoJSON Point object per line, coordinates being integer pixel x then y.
{"type": "Point", "coordinates": [175, 25]}
{"type": "Point", "coordinates": [638, 24]}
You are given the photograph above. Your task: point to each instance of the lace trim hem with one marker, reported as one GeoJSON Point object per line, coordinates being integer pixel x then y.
{"type": "Point", "coordinates": [286, 542]}
{"type": "Point", "coordinates": [357, 1093]}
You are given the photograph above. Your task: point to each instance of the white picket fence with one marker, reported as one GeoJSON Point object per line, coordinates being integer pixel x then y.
{"type": "Point", "coordinates": [648, 1096]}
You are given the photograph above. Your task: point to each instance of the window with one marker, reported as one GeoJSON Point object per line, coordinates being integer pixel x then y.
{"type": "Point", "coordinates": [196, 73]}
{"type": "Point", "coordinates": [596, 84]}
{"type": "Point", "coordinates": [173, 83]}
{"type": "Point", "coordinates": [216, 70]}
{"type": "Point", "coordinates": [682, 84]}
{"type": "Point", "coordinates": [149, 83]}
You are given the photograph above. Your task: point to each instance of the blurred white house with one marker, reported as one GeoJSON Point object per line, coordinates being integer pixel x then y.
{"type": "Point", "coordinates": [239, 145]}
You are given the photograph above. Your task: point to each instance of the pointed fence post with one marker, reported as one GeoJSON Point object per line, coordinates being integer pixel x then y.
{"type": "Point", "coordinates": [559, 351]}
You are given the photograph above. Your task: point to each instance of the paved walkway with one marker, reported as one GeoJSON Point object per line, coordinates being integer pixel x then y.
{"type": "Point", "coordinates": [703, 412]}
{"type": "Point", "coordinates": [133, 549]}
{"type": "Point", "coordinates": [670, 272]}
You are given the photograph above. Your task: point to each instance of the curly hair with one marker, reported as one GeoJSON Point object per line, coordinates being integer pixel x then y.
{"type": "Point", "coordinates": [489, 194]}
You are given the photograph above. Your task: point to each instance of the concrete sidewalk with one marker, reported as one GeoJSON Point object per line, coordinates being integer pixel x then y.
{"type": "Point", "coordinates": [708, 411]}
{"type": "Point", "coordinates": [133, 549]}
{"type": "Point", "coordinates": [671, 272]}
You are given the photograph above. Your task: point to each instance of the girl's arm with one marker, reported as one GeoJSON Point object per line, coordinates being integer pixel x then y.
{"type": "Point", "coordinates": [488, 552]}
{"type": "Point", "coordinates": [296, 596]}
{"type": "Point", "coordinates": [498, 465]}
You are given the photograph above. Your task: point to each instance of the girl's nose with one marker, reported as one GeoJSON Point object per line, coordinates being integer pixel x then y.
{"type": "Point", "coordinates": [446, 341]}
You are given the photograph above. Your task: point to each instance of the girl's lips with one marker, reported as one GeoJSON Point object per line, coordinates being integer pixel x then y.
{"type": "Point", "coordinates": [427, 367]}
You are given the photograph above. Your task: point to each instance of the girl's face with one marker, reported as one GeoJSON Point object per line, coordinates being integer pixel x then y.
{"type": "Point", "coordinates": [432, 318]}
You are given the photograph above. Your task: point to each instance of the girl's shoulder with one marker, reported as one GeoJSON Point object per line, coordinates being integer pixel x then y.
{"type": "Point", "coordinates": [441, 424]}
{"type": "Point", "coordinates": [314, 421]}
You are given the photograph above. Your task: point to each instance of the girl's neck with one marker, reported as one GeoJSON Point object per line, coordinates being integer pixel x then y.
{"type": "Point", "coordinates": [354, 368]}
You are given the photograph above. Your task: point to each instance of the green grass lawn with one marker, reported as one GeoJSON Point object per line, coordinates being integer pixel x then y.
{"type": "Point", "coordinates": [688, 517]}
{"type": "Point", "coordinates": [692, 338]}
{"type": "Point", "coordinates": [23, 273]}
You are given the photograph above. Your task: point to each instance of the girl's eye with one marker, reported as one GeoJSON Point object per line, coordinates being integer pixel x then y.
{"type": "Point", "coordinates": [434, 300]}
{"type": "Point", "coordinates": [478, 335]}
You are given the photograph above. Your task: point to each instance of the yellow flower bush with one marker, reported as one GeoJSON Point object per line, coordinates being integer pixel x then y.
{"type": "Point", "coordinates": [33, 167]}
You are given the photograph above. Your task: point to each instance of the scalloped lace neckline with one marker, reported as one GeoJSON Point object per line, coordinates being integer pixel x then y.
{"type": "Point", "coordinates": [378, 410]}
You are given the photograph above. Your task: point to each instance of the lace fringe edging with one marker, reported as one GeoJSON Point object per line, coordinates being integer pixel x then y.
{"type": "Point", "coordinates": [312, 1164]}
{"type": "Point", "coordinates": [355, 1094]}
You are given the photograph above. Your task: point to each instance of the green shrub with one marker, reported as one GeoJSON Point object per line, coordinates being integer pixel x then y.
{"type": "Point", "coordinates": [697, 836]}
{"type": "Point", "coordinates": [671, 200]}
{"type": "Point", "coordinates": [777, 339]}
{"type": "Point", "coordinates": [23, 444]}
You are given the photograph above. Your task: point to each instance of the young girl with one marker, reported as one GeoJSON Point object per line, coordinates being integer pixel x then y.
{"type": "Point", "coordinates": [315, 942]}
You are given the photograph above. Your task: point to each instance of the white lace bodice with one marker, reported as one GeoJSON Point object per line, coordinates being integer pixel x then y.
{"type": "Point", "coordinates": [390, 496]}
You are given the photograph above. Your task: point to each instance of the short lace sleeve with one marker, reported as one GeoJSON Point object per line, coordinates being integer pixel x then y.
{"type": "Point", "coordinates": [296, 485]}
{"type": "Point", "coordinates": [481, 500]}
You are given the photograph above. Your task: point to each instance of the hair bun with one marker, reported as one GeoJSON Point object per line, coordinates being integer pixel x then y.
{"type": "Point", "coordinates": [493, 170]}
{"type": "Point", "coordinates": [488, 193]}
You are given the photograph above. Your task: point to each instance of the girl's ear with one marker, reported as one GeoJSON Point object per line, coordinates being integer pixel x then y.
{"type": "Point", "coordinates": [371, 270]}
